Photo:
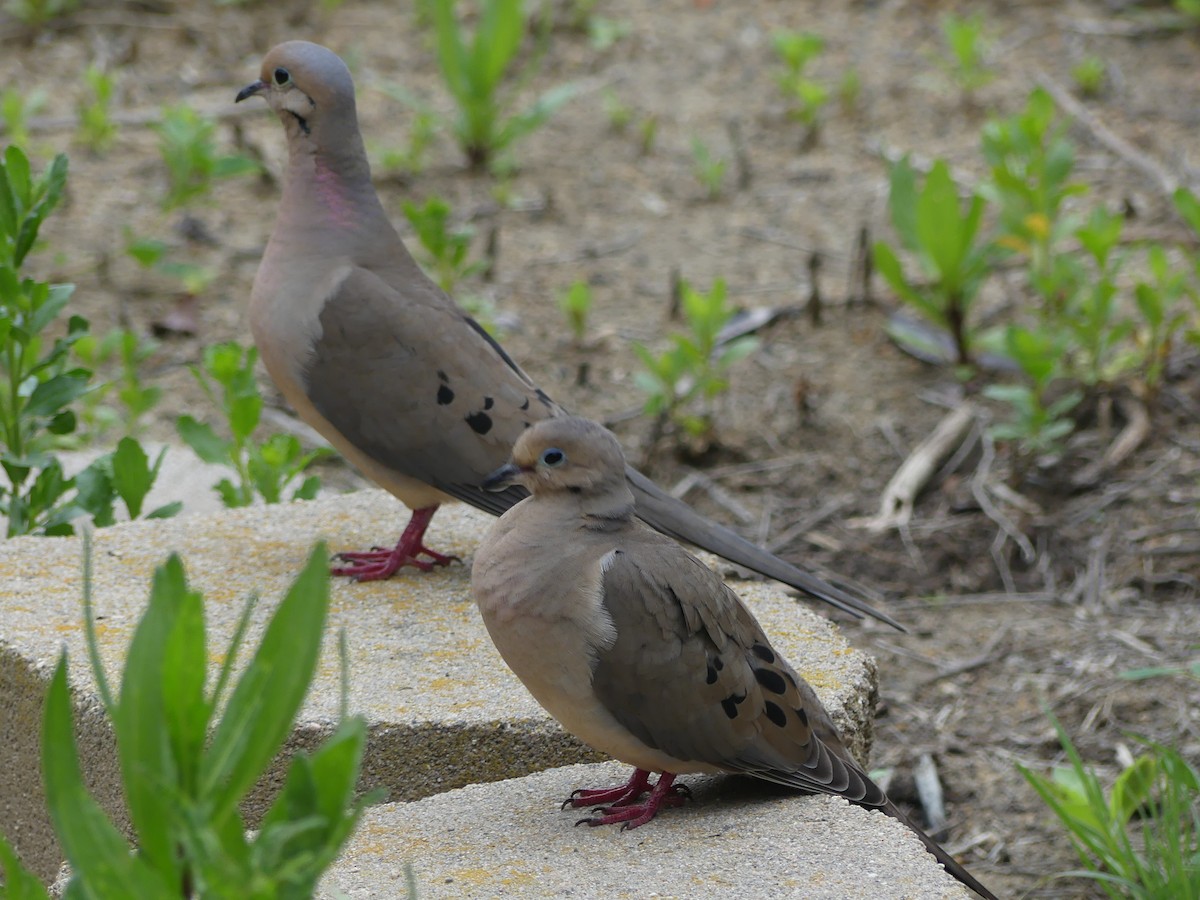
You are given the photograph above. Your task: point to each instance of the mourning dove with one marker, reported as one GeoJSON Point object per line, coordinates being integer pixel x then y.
{"type": "Point", "coordinates": [639, 649]}
{"type": "Point", "coordinates": [374, 355]}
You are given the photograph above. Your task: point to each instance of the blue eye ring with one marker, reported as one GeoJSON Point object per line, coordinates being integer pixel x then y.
{"type": "Point", "coordinates": [552, 457]}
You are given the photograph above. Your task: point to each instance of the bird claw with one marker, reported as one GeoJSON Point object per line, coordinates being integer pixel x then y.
{"type": "Point", "coordinates": [379, 563]}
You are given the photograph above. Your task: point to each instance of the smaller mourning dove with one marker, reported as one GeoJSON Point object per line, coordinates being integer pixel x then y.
{"type": "Point", "coordinates": [639, 649]}
{"type": "Point", "coordinates": [379, 360]}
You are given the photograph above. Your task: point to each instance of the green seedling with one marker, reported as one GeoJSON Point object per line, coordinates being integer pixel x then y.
{"type": "Point", "coordinates": [849, 90]}
{"type": "Point", "coordinates": [1142, 840]}
{"type": "Point", "coordinates": [966, 58]}
{"type": "Point", "coordinates": [136, 398]}
{"type": "Point", "coordinates": [647, 135]}
{"type": "Point", "coordinates": [41, 386]}
{"type": "Point", "coordinates": [475, 67]}
{"type": "Point", "coordinates": [445, 248]}
{"type": "Point", "coordinates": [805, 96]}
{"type": "Point", "coordinates": [692, 371]}
{"type": "Point", "coordinates": [1090, 75]}
{"type": "Point", "coordinates": [422, 130]}
{"type": "Point", "coordinates": [16, 107]}
{"type": "Point", "coordinates": [185, 142]}
{"type": "Point", "coordinates": [36, 13]}
{"type": "Point", "coordinates": [264, 469]}
{"type": "Point", "coordinates": [1158, 301]}
{"type": "Point", "coordinates": [576, 305]}
{"type": "Point", "coordinates": [97, 131]}
{"type": "Point", "coordinates": [944, 237]}
{"type": "Point", "coordinates": [709, 170]}
{"type": "Point", "coordinates": [1031, 164]}
{"type": "Point", "coordinates": [1037, 424]}
{"type": "Point", "coordinates": [619, 114]}
{"type": "Point", "coordinates": [186, 771]}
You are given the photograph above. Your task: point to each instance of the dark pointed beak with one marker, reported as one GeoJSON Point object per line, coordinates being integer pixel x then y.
{"type": "Point", "coordinates": [250, 90]}
{"type": "Point", "coordinates": [503, 477]}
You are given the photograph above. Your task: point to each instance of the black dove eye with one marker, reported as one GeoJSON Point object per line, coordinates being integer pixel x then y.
{"type": "Point", "coordinates": [281, 76]}
{"type": "Point", "coordinates": [553, 457]}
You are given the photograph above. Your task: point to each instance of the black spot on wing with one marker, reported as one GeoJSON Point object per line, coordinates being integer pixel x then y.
{"type": "Point", "coordinates": [771, 680]}
{"type": "Point", "coordinates": [774, 713]}
{"type": "Point", "coordinates": [480, 422]}
{"type": "Point", "coordinates": [730, 705]}
{"type": "Point", "coordinates": [442, 376]}
{"type": "Point", "coordinates": [802, 713]}
{"type": "Point", "coordinates": [488, 402]}
{"type": "Point", "coordinates": [763, 652]}
{"type": "Point", "coordinates": [445, 396]}
{"type": "Point", "coordinates": [524, 406]}
{"type": "Point", "coordinates": [711, 675]}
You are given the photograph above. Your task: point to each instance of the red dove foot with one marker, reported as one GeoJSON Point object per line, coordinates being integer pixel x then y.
{"type": "Point", "coordinates": [622, 806]}
{"type": "Point", "coordinates": [377, 564]}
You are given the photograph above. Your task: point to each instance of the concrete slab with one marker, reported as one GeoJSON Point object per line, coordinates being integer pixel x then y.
{"type": "Point", "coordinates": [442, 708]}
{"type": "Point", "coordinates": [735, 838]}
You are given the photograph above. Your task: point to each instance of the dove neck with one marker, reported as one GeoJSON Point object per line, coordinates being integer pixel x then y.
{"type": "Point", "coordinates": [336, 179]}
{"type": "Point", "coordinates": [608, 510]}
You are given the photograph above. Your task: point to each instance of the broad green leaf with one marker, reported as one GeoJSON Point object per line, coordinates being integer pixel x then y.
{"type": "Point", "coordinates": [150, 773]}
{"type": "Point", "coordinates": [131, 475]}
{"type": "Point", "coordinates": [269, 693]}
{"type": "Point", "coordinates": [244, 413]}
{"type": "Point", "coordinates": [53, 394]}
{"type": "Point", "coordinates": [202, 439]}
{"type": "Point", "coordinates": [902, 200]}
{"type": "Point", "coordinates": [19, 883]}
{"type": "Point", "coordinates": [1189, 207]}
{"type": "Point", "coordinates": [1132, 788]}
{"type": "Point", "coordinates": [186, 711]}
{"type": "Point", "coordinates": [98, 854]}
{"type": "Point", "coordinates": [939, 226]}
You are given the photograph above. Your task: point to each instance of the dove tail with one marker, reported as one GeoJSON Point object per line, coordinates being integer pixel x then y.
{"type": "Point", "coordinates": [675, 518]}
{"type": "Point", "coordinates": [949, 862]}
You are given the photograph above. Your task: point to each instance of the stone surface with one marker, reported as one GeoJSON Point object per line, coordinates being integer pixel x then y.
{"type": "Point", "coordinates": [735, 838]}
{"type": "Point", "coordinates": [442, 709]}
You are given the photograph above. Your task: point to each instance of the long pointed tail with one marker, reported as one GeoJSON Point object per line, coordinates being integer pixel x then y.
{"type": "Point", "coordinates": [673, 517]}
{"type": "Point", "coordinates": [949, 862]}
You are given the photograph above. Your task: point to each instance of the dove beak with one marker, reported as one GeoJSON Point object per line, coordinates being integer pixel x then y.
{"type": "Point", "coordinates": [505, 476]}
{"type": "Point", "coordinates": [250, 90]}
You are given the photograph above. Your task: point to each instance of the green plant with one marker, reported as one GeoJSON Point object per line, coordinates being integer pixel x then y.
{"type": "Point", "coordinates": [849, 90]}
{"type": "Point", "coordinates": [576, 305]}
{"type": "Point", "coordinates": [1031, 163]}
{"type": "Point", "coordinates": [708, 169]}
{"type": "Point", "coordinates": [647, 134]}
{"type": "Point", "coordinates": [1090, 74]}
{"type": "Point", "coordinates": [1038, 424]}
{"type": "Point", "coordinates": [966, 61]}
{"type": "Point", "coordinates": [97, 131]}
{"type": "Point", "coordinates": [474, 68]}
{"type": "Point", "coordinates": [265, 469]}
{"type": "Point", "coordinates": [1143, 839]}
{"type": "Point", "coordinates": [185, 142]}
{"type": "Point", "coordinates": [945, 240]}
{"type": "Point", "coordinates": [446, 249]}
{"type": "Point", "coordinates": [36, 13]}
{"type": "Point", "coordinates": [16, 106]}
{"type": "Point", "coordinates": [796, 49]}
{"type": "Point", "coordinates": [693, 368]}
{"type": "Point", "coordinates": [618, 113]}
{"type": "Point", "coordinates": [39, 385]}
{"type": "Point", "coordinates": [130, 350]}
{"type": "Point", "coordinates": [185, 772]}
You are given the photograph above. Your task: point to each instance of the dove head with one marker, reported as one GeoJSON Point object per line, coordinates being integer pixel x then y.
{"type": "Point", "coordinates": [310, 89]}
{"type": "Point", "coordinates": [564, 455]}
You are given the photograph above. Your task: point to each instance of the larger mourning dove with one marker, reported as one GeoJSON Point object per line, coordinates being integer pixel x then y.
{"type": "Point", "coordinates": [375, 356]}
{"type": "Point", "coordinates": [638, 648]}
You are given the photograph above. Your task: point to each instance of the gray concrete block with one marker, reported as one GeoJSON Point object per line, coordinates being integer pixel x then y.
{"type": "Point", "coordinates": [442, 709]}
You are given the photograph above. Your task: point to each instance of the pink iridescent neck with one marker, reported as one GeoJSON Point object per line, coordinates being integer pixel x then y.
{"type": "Point", "coordinates": [331, 191]}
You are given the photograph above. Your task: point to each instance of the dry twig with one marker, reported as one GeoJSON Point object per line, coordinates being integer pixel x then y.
{"type": "Point", "coordinates": [896, 504]}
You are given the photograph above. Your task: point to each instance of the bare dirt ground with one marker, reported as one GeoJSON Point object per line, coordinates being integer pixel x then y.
{"type": "Point", "coordinates": [820, 417]}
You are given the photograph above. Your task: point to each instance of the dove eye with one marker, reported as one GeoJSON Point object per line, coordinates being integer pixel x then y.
{"type": "Point", "coordinates": [281, 76]}
{"type": "Point", "coordinates": [553, 457]}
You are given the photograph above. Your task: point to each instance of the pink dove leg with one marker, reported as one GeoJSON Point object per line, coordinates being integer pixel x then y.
{"type": "Point", "coordinates": [378, 563]}
{"type": "Point", "coordinates": [622, 805]}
